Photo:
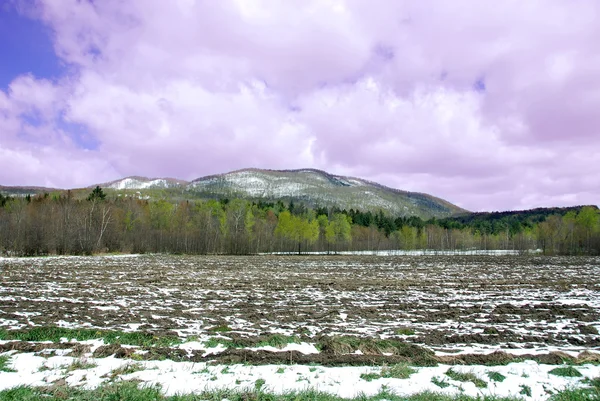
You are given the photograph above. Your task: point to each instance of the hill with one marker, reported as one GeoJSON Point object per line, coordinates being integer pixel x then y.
{"type": "Point", "coordinates": [309, 186]}
{"type": "Point", "coordinates": [514, 221]}
{"type": "Point", "coordinates": [24, 191]}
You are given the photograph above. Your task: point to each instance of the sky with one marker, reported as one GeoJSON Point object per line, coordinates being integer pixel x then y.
{"type": "Point", "coordinates": [491, 105]}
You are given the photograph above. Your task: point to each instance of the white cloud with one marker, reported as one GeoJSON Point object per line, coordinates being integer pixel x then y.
{"type": "Point", "coordinates": [383, 90]}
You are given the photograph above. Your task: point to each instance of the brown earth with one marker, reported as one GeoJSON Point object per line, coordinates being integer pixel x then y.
{"type": "Point", "coordinates": [447, 301]}
{"type": "Point", "coordinates": [413, 355]}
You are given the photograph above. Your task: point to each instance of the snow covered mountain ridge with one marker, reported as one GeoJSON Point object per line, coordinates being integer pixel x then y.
{"type": "Point", "coordinates": [144, 183]}
{"type": "Point", "coordinates": [311, 186]}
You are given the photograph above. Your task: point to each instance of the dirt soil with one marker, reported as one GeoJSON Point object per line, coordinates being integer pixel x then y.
{"type": "Point", "coordinates": [447, 301]}
{"type": "Point", "coordinates": [413, 355]}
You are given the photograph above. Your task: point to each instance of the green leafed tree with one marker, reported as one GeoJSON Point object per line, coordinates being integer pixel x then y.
{"type": "Point", "coordinates": [297, 229]}
{"type": "Point", "coordinates": [338, 230]}
{"type": "Point", "coordinates": [587, 222]}
{"type": "Point", "coordinates": [408, 237]}
{"type": "Point", "coordinates": [161, 213]}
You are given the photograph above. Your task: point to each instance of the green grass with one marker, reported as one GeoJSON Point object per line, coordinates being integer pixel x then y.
{"type": "Point", "coordinates": [129, 391]}
{"type": "Point", "coordinates": [342, 345]}
{"type": "Point", "coordinates": [55, 334]}
{"type": "Point", "coordinates": [125, 370]}
{"type": "Point", "coordinates": [525, 390]}
{"type": "Point", "coordinates": [399, 371]}
{"type": "Point", "coordinates": [214, 342]}
{"type": "Point", "coordinates": [80, 364]}
{"type": "Point", "coordinates": [279, 341]}
{"type": "Point", "coordinates": [590, 392]}
{"type": "Point", "coordinates": [275, 340]}
{"type": "Point", "coordinates": [4, 364]}
{"type": "Point", "coordinates": [466, 377]}
{"type": "Point", "coordinates": [405, 331]}
{"type": "Point", "coordinates": [595, 382]}
{"type": "Point", "coordinates": [370, 376]}
{"type": "Point", "coordinates": [220, 329]}
{"type": "Point", "coordinates": [259, 383]}
{"type": "Point", "coordinates": [140, 339]}
{"type": "Point", "coordinates": [579, 394]}
{"type": "Point", "coordinates": [441, 383]}
{"type": "Point", "coordinates": [565, 371]}
{"type": "Point", "coordinates": [496, 376]}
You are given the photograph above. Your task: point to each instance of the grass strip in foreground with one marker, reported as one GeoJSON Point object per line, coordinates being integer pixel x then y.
{"type": "Point", "coordinates": [55, 334]}
{"type": "Point", "coordinates": [129, 391]}
{"type": "Point", "coordinates": [579, 394]}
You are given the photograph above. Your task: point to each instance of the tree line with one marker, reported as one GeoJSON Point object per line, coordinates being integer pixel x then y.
{"type": "Point", "coordinates": [60, 224]}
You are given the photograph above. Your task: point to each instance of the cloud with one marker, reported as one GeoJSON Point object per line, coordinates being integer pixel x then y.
{"type": "Point", "coordinates": [489, 105]}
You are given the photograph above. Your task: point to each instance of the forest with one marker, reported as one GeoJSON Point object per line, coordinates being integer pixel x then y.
{"type": "Point", "coordinates": [62, 224]}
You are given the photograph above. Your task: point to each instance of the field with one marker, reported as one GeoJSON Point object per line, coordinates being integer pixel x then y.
{"type": "Point", "coordinates": [346, 325]}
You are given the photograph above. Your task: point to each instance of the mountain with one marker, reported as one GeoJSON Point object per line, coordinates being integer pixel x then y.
{"type": "Point", "coordinates": [24, 191]}
{"type": "Point", "coordinates": [144, 183]}
{"type": "Point", "coordinates": [309, 186]}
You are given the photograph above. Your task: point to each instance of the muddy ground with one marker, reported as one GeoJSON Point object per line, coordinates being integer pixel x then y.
{"type": "Point", "coordinates": [444, 303]}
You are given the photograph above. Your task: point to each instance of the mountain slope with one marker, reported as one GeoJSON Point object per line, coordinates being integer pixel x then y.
{"type": "Point", "coordinates": [317, 187]}
{"type": "Point", "coordinates": [24, 191]}
{"type": "Point", "coordinates": [136, 182]}
{"type": "Point", "coordinates": [310, 186]}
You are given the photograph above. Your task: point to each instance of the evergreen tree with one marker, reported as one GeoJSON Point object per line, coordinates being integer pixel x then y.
{"type": "Point", "coordinates": [96, 194]}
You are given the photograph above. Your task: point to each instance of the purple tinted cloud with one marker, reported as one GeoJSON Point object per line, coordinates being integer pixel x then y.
{"type": "Point", "coordinates": [489, 105]}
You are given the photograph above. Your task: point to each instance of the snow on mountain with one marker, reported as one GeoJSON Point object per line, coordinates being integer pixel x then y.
{"type": "Point", "coordinates": [143, 183]}
{"type": "Point", "coordinates": [319, 188]}
{"type": "Point", "coordinates": [310, 186]}
{"type": "Point", "coordinates": [267, 183]}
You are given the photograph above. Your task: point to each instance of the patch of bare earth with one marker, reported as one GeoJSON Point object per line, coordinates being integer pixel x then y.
{"type": "Point", "coordinates": [442, 303]}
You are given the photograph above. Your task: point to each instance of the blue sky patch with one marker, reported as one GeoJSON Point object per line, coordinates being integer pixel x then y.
{"type": "Point", "coordinates": [25, 47]}
{"type": "Point", "coordinates": [79, 133]}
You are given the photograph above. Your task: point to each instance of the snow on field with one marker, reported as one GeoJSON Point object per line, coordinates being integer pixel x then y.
{"type": "Point", "coordinates": [454, 305]}
{"type": "Point", "coordinates": [510, 300]}
{"type": "Point", "coordinates": [41, 259]}
{"type": "Point", "coordinates": [187, 377]}
{"type": "Point", "coordinates": [419, 252]}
